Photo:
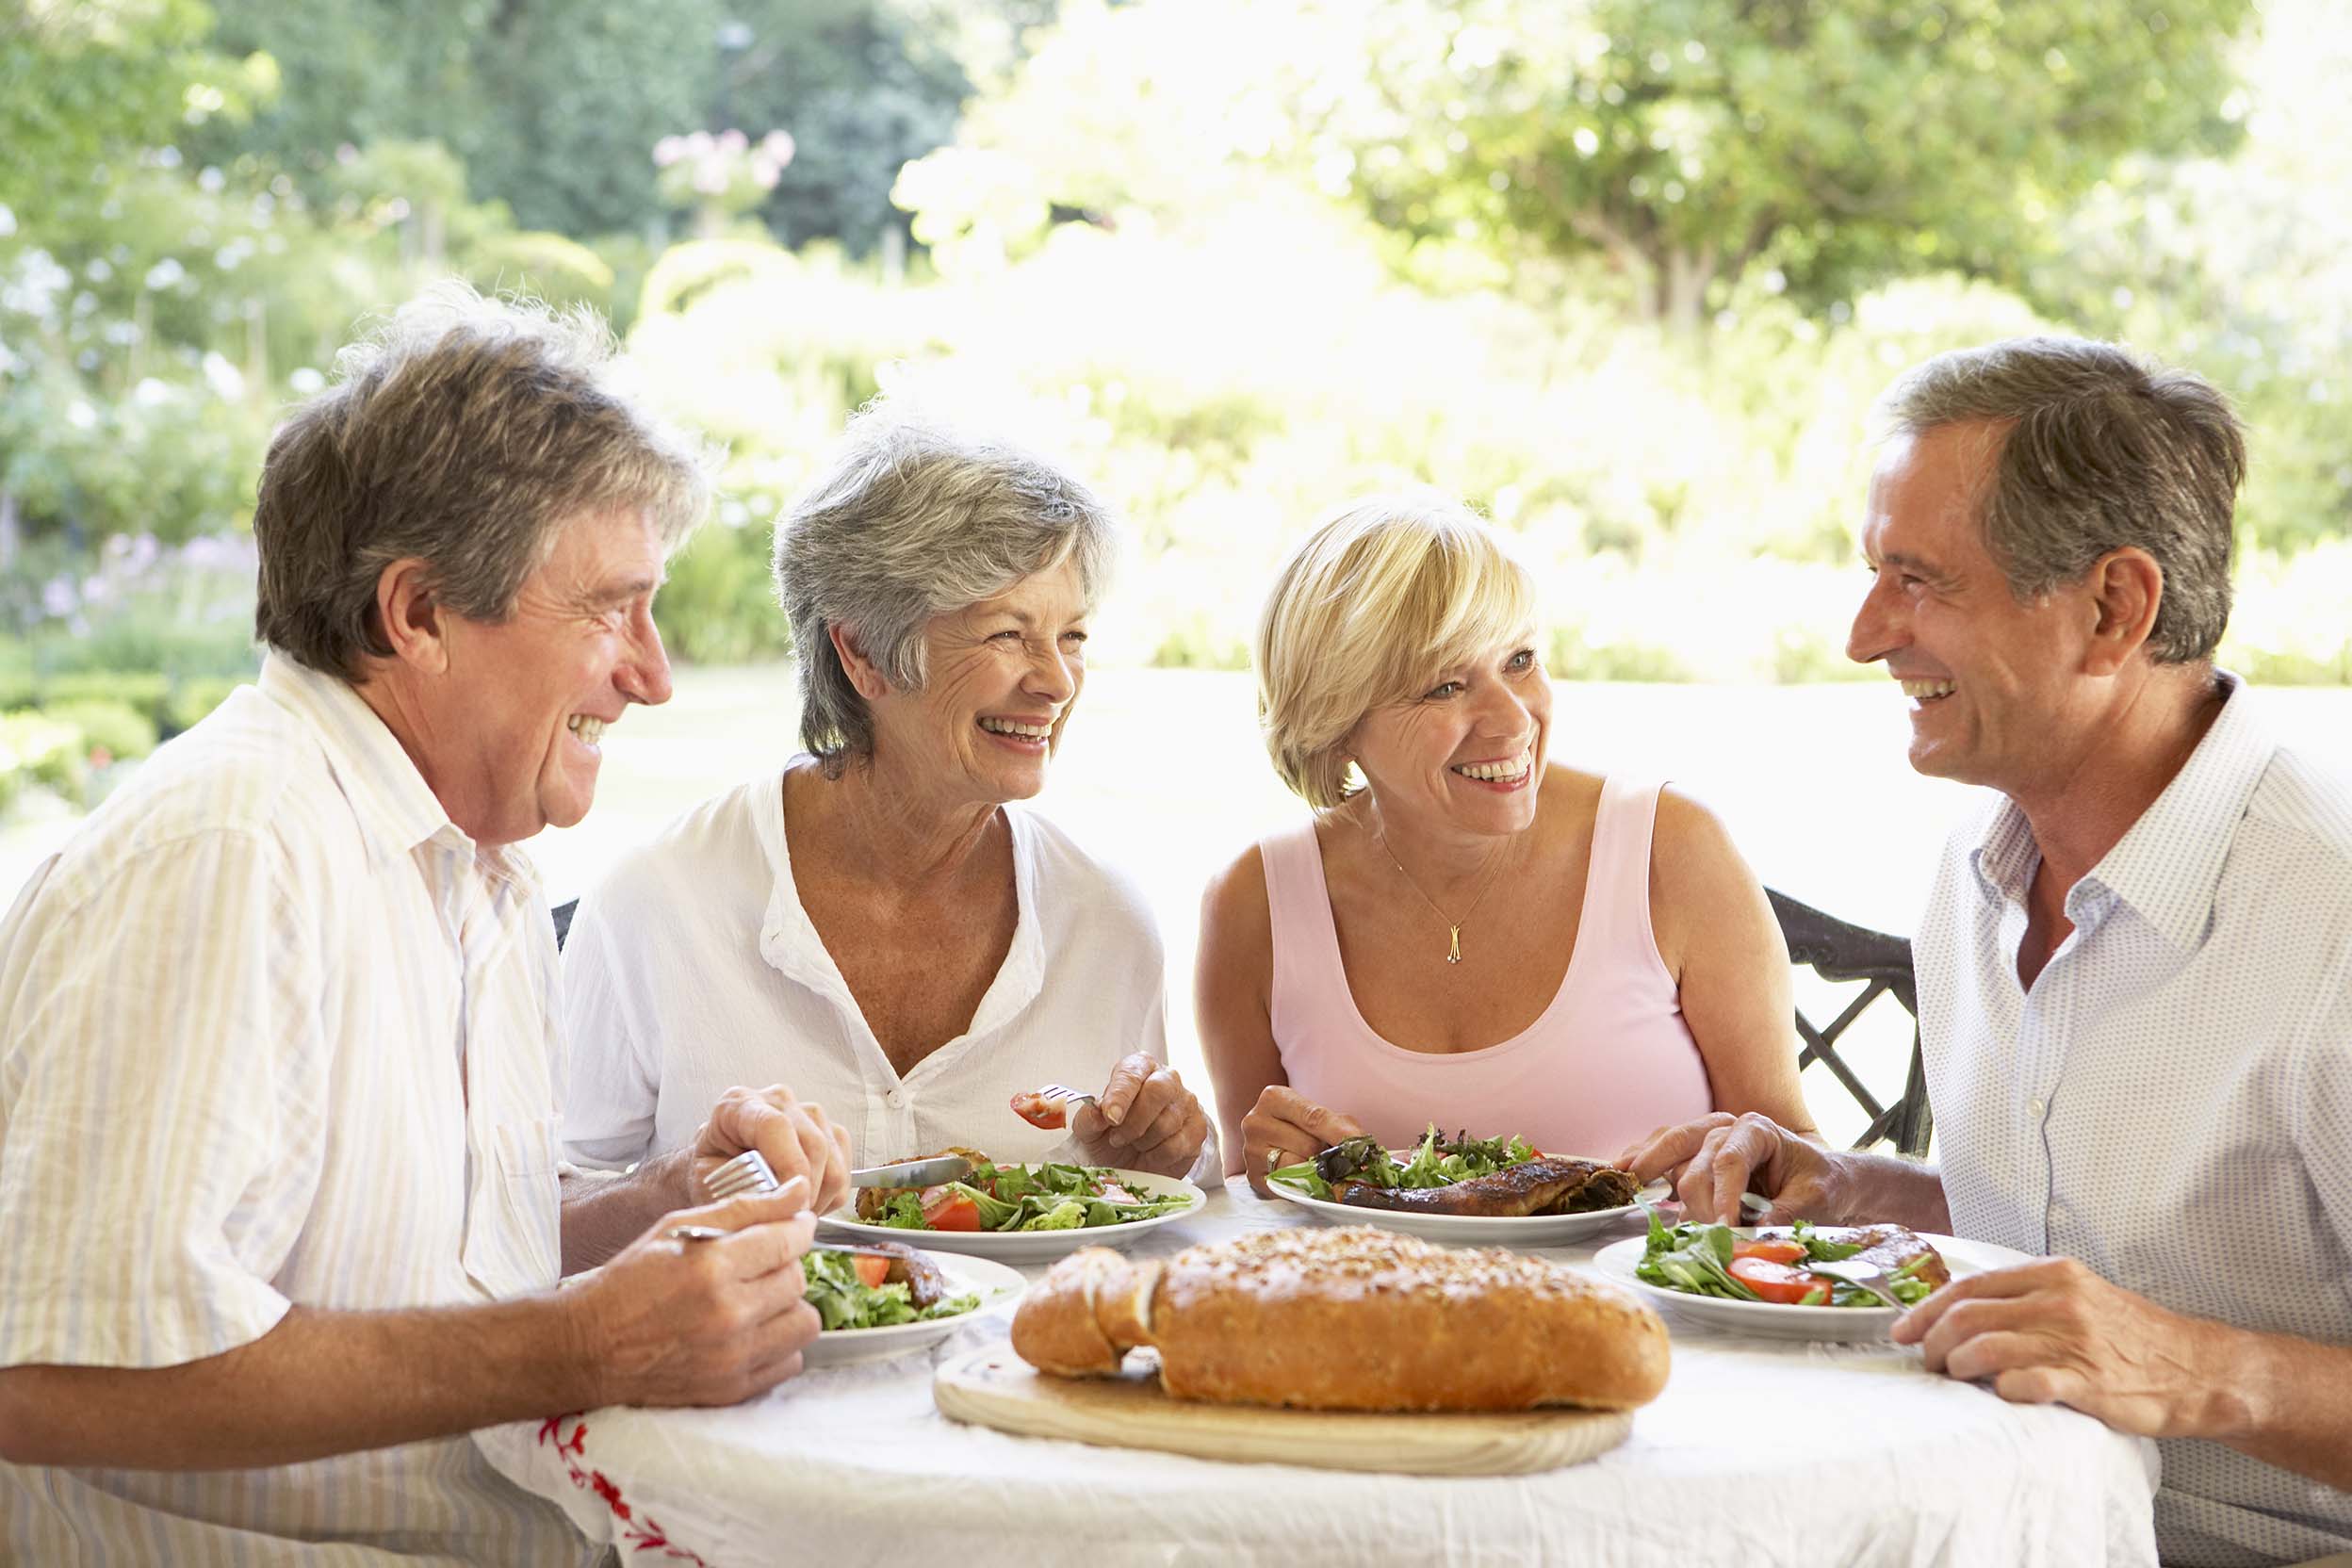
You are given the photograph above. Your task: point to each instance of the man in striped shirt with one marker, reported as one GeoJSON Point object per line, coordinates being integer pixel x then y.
{"type": "Point", "coordinates": [2135, 967]}
{"type": "Point", "coordinates": [280, 1217]}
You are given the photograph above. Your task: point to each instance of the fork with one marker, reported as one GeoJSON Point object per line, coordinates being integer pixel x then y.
{"type": "Point", "coordinates": [746, 1174]}
{"type": "Point", "coordinates": [1867, 1276]}
{"type": "Point", "coordinates": [1062, 1094]}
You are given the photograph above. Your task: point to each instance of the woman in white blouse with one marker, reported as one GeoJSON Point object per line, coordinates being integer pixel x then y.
{"type": "Point", "coordinates": [875, 923]}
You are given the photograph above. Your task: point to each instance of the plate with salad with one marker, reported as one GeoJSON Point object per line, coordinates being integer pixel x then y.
{"type": "Point", "coordinates": [1020, 1213]}
{"type": "Point", "coordinates": [1461, 1189]}
{"type": "Point", "coordinates": [873, 1308]}
{"type": "Point", "coordinates": [1752, 1280]}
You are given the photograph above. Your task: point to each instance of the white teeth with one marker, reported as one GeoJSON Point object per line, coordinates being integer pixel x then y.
{"type": "Point", "coordinates": [589, 730]}
{"type": "Point", "coordinates": [1922, 690]}
{"type": "Point", "coordinates": [1499, 773]}
{"type": "Point", "coordinates": [1007, 727]}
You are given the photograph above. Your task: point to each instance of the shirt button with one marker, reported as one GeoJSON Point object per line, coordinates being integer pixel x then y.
{"type": "Point", "coordinates": [897, 1098]}
{"type": "Point", "coordinates": [2035, 1107]}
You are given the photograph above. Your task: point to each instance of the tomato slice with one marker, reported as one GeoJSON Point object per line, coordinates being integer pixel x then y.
{"type": "Point", "coordinates": [872, 1272]}
{"type": "Point", "coordinates": [1038, 1111]}
{"type": "Point", "coordinates": [1778, 1282]}
{"type": "Point", "coordinates": [946, 1209]}
{"type": "Point", "coordinates": [1776, 1250]}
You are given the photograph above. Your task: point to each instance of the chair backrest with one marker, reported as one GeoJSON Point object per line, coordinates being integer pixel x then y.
{"type": "Point", "coordinates": [563, 913]}
{"type": "Point", "coordinates": [1838, 951]}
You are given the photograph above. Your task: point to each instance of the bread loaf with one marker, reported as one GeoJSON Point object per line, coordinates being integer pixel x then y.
{"type": "Point", "coordinates": [1349, 1319]}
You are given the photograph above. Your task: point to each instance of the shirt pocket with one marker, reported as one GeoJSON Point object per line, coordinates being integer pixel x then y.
{"type": "Point", "coordinates": [514, 1238]}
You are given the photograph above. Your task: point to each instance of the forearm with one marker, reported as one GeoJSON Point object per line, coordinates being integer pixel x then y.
{"type": "Point", "coordinates": [1888, 1189]}
{"type": "Point", "coordinates": [600, 1217]}
{"type": "Point", "coordinates": [318, 1384]}
{"type": "Point", "coordinates": [2285, 1401]}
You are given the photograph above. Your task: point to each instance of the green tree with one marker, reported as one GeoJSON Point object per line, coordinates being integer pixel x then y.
{"type": "Point", "coordinates": [1685, 142]}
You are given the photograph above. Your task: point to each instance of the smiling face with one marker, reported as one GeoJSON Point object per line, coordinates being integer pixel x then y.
{"type": "Point", "coordinates": [511, 731]}
{"type": "Point", "coordinates": [1468, 754]}
{"type": "Point", "coordinates": [1995, 685]}
{"type": "Point", "coordinates": [1001, 678]}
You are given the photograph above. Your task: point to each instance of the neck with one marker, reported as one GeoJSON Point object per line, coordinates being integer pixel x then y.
{"type": "Point", "coordinates": [1449, 867]}
{"type": "Point", "coordinates": [393, 696]}
{"type": "Point", "coordinates": [905, 837]}
{"type": "Point", "coordinates": [2117, 768]}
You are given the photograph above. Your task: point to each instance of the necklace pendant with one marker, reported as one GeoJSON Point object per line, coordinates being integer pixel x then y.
{"type": "Point", "coordinates": [1453, 954]}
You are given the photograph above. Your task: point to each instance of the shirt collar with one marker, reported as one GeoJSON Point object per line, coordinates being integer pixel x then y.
{"type": "Point", "coordinates": [395, 809]}
{"type": "Point", "coordinates": [2167, 863]}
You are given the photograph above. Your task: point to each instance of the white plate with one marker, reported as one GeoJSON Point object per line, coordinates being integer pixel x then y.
{"type": "Point", "coordinates": [1772, 1320]}
{"type": "Point", "coordinates": [997, 1285]}
{"type": "Point", "coordinates": [1030, 1246]}
{"type": "Point", "coordinates": [1531, 1230]}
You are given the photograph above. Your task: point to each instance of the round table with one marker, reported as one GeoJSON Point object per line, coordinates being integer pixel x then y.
{"type": "Point", "coordinates": [1758, 1452]}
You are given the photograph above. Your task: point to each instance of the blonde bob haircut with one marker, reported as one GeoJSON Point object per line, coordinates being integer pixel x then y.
{"type": "Point", "coordinates": [1387, 591]}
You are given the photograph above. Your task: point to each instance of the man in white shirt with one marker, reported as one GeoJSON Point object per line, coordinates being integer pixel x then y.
{"type": "Point", "coordinates": [2135, 969]}
{"type": "Point", "coordinates": [280, 1207]}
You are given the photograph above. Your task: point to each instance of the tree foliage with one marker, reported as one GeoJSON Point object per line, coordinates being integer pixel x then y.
{"type": "Point", "coordinates": [1687, 141]}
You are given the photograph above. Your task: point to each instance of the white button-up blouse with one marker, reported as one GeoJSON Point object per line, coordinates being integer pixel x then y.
{"type": "Point", "coordinates": [692, 968]}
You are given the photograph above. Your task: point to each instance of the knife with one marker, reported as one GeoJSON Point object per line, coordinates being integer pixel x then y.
{"type": "Point", "coordinates": [913, 1173]}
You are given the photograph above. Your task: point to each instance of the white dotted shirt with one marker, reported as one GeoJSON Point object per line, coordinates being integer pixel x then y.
{"type": "Point", "coordinates": [2171, 1103]}
{"type": "Point", "coordinates": [272, 1031]}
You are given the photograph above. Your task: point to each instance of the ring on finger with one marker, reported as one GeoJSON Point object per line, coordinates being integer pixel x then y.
{"type": "Point", "coordinates": [694, 1232]}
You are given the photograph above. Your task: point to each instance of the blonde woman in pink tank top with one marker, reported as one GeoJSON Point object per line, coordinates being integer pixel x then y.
{"type": "Point", "coordinates": [1464, 932]}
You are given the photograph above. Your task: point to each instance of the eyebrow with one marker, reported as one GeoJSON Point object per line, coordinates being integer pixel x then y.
{"type": "Point", "coordinates": [618, 592]}
{"type": "Point", "coordinates": [1907, 562]}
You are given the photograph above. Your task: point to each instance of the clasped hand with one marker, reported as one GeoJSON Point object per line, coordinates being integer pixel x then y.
{"type": "Point", "coordinates": [1146, 1120]}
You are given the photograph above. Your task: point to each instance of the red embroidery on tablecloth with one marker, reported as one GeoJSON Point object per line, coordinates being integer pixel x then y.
{"type": "Point", "coordinates": [638, 1531]}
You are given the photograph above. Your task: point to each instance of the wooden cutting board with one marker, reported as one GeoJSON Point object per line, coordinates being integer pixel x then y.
{"type": "Point", "coordinates": [995, 1388]}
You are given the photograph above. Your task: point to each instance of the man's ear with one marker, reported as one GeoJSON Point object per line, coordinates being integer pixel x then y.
{"type": "Point", "coordinates": [2127, 589]}
{"type": "Point", "coordinates": [865, 676]}
{"type": "Point", "coordinates": [415, 622]}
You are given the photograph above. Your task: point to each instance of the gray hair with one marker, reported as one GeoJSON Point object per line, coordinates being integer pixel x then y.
{"type": "Point", "coordinates": [913, 519]}
{"type": "Point", "coordinates": [464, 432]}
{"type": "Point", "coordinates": [2098, 451]}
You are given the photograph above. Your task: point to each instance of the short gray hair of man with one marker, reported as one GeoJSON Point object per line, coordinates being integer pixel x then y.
{"type": "Point", "coordinates": [913, 518]}
{"type": "Point", "coordinates": [2098, 451]}
{"type": "Point", "coordinates": [466, 432]}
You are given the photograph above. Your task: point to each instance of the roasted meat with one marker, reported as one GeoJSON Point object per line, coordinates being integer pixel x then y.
{"type": "Point", "coordinates": [925, 1285]}
{"type": "Point", "coordinates": [1548, 1183]}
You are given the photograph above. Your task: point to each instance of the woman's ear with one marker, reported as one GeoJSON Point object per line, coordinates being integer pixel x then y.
{"type": "Point", "coordinates": [413, 620]}
{"type": "Point", "coordinates": [865, 678]}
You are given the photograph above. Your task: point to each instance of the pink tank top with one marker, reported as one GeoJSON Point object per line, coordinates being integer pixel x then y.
{"type": "Point", "coordinates": [1608, 1062]}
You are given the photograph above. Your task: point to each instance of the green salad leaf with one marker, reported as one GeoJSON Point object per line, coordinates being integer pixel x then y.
{"type": "Point", "coordinates": [1435, 1163]}
{"type": "Point", "coordinates": [845, 1301]}
{"type": "Point", "coordinates": [1695, 1259]}
{"type": "Point", "coordinates": [1045, 1197]}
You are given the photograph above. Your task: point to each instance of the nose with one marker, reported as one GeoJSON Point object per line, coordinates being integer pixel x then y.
{"type": "Point", "coordinates": [643, 672]}
{"type": "Point", "coordinates": [1501, 711]}
{"type": "Point", "coordinates": [1878, 625]}
{"type": "Point", "coordinates": [1051, 677]}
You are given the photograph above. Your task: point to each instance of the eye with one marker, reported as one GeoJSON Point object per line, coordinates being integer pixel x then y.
{"type": "Point", "coordinates": [1008, 634]}
{"type": "Point", "coordinates": [1438, 694]}
{"type": "Point", "coordinates": [1074, 637]}
{"type": "Point", "coordinates": [1522, 662]}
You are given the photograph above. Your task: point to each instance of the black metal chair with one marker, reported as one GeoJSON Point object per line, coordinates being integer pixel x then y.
{"type": "Point", "coordinates": [563, 913]}
{"type": "Point", "coordinates": [1838, 951]}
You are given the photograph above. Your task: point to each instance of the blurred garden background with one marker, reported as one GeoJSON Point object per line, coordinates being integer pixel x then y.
{"type": "Point", "coordinates": [1625, 273]}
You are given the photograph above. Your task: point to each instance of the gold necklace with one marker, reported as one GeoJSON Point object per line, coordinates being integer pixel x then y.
{"type": "Point", "coordinates": [1453, 927]}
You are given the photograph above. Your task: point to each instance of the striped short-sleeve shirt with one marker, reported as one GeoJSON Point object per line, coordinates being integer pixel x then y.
{"type": "Point", "coordinates": [272, 1031]}
{"type": "Point", "coordinates": [2171, 1103]}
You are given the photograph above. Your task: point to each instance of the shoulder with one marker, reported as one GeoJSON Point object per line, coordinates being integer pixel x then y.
{"type": "Point", "coordinates": [249, 772]}
{"type": "Point", "coordinates": [2307, 805]}
{"type": "Point", "coordinates": [1079, 880]}
{"type": "Point", "coordinates": [1690, 847]}
{"type": "Point", "coordinates": [706, 856]}
{"type": "Point", "coordinates": [1236, 895]}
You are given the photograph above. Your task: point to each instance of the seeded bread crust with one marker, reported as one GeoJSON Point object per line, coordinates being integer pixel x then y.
{"type": "Point", "coordinates": [1353, 1319]}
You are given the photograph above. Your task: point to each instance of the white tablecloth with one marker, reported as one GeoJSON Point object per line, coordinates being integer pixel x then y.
{"type": "Point", "coordinates": [1758, 1452]}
